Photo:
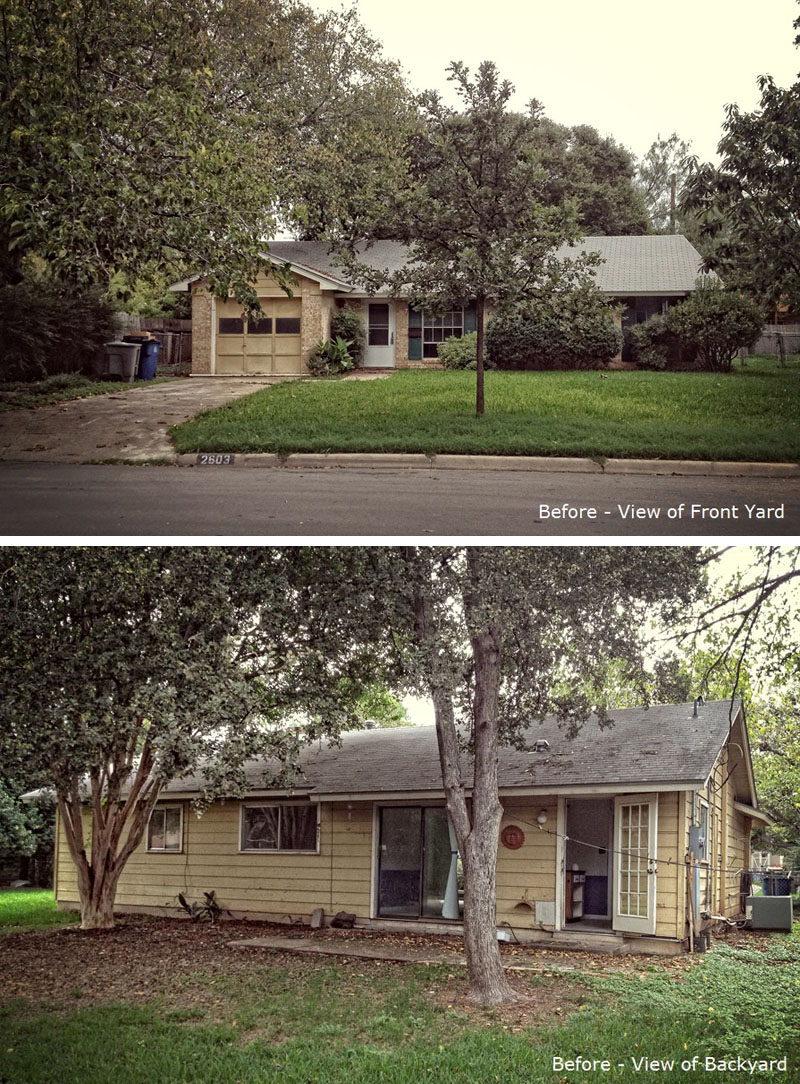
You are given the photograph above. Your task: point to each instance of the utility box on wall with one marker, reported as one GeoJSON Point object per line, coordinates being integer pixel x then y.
{"type": "Point", "coordinates": [769, 912]}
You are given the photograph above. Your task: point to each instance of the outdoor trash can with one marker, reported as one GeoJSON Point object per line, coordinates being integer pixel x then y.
{"type": "Point", "coordinates": [121, 361]}
{"type": "Point", "coordinates": [777, 884]}
{"type": "Point", "coordinates": [148, 357]}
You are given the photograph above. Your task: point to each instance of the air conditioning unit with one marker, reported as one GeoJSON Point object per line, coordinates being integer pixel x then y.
{"type": "Point", "coordinates": [769, 912]}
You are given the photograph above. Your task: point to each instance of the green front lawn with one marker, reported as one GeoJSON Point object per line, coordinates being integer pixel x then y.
{"type": "Point", "coordinates": [751, 414]}
{"type": "Point", "coordinates": [249, 1020]}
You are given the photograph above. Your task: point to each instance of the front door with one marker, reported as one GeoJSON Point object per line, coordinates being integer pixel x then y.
{"type": "Point", "coordinates": [380, 335]}
{"type": "Point", "coordinates": [635, 832]}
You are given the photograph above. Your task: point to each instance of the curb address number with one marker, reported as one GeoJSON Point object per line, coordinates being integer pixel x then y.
{"type": "Point", "coordinates": [212, 459]}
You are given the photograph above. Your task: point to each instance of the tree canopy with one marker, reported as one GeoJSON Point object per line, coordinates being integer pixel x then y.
{"type": "Point", "coordinates": [478, 216]}
{"type": "Point", "coordinates": [170, 136]}
{"type": "Point", "coordinates": [748, 208]}
{"type": "Point", "coordinates": [121, 669]}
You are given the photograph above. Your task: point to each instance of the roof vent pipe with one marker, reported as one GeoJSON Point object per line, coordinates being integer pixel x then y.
{"type": "Point", "coordinates": [697, 704]}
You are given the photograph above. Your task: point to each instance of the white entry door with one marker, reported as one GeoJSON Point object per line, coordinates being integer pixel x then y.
{"type": "Point", "coordinates": [635, 832]}
{"type": "Point", "coordinates": [380, 334]}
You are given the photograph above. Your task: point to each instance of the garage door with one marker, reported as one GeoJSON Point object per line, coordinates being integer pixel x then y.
{"type": "Point", "coordinates": [269, 344]}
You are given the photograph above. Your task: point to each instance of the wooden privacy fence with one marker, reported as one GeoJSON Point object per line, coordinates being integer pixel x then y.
{"type": "Point", "coordinates": [778, 339]}
{"type": "Point", "coordinates": [175, 336]}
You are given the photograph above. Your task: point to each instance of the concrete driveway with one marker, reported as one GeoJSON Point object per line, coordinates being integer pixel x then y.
{"type": "Point", "coordinates": [128, 424]}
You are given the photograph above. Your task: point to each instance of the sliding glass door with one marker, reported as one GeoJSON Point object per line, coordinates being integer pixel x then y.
{"type": "Point", "coordinates": [416, 861]}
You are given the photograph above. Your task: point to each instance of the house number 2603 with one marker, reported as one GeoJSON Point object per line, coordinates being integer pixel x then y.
{"type": "Point", "coordinates": [215, 459]}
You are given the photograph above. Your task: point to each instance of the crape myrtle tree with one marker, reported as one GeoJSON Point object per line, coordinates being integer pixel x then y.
{"type": "Point", "coordinates": [478, 216]}
{"type": "Point", "coordinates": [499, 638]}
{"type": "Point", "coordinates": [121, 669]}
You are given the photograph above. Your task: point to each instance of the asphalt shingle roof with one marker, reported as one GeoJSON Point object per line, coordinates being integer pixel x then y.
{"type": "Point", "coordinates": [660, 745]}
{"type": "Point", "coordinates": [651, 264]}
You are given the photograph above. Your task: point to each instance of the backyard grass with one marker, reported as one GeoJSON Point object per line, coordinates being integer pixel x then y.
{"type": "Point", "coordinates": [196, 1012]}
{"type": "Point", "coordinates": [751, 414]}
{"type": "Point", "coordinates": [30, 909]}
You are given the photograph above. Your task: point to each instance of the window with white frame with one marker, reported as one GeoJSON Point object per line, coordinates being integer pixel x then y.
{"type": "Point", "coordinates": [165, 829]}
{"type": "Point", "coordinates": [437, 329]}
{"type": "Point", "coordinates": [278, 828]}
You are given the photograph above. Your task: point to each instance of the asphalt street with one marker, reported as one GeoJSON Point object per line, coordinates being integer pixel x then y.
{"type": "Point", "coordinates": [83, 500]}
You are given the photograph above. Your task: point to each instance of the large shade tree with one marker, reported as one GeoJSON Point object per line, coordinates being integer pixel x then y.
{"type": "Point", "coordinates": [152, 138]}
{"type": "Point", "coordinates": [499, 638]}
{"type": "Point", "coordinates": [121, 669]}
{"type": "Point", "coordinates": [747, 209]}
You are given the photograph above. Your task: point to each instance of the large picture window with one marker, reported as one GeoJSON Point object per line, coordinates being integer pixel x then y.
{"type": "Point", "coordinates": [278, 828]}
{"type": "Point", "coordinates": [165, 829]}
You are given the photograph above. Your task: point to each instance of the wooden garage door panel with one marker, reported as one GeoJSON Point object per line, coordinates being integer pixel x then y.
{"type": "Point", "coordinates": [256, 353]}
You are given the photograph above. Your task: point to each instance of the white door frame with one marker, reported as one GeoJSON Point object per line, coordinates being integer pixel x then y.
{"type": "Point", "coordinates": [637, 875]}
{"type": "Point", "coordinates": [380, 356]}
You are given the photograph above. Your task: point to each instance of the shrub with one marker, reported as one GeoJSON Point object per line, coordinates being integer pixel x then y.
{"type": "Point", "coordinates": [654, 346]}
{"type": "Point", "coordinates": [349, 324]}
{"type": "Point", "coordinates": [714, 323]}
{"type": "Point", "coordinates": [569, 329]}
{"type": "Point", "coordinates": [330, 357]}
{"type": "Point", "coordinates": [48, 328]}
{"type": "Point", "coordinates": [455, 353]}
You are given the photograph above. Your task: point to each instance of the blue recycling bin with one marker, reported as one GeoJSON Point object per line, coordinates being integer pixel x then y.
{"type": "Point", "coordinates": [148, 355]}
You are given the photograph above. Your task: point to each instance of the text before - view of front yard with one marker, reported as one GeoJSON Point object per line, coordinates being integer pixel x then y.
{"type": "Point", "coordinates": [175, 1002]}
{"type": "Point", "coordinates": [751, 414]}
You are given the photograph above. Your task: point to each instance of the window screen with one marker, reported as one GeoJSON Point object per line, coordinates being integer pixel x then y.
{"type": "Point", "coordinates": [287, 325]}
{"type": "Point", "coordinates": [261, 326]}
{"type": "Point", "coordinates": [231, 325]}
{"type": "Point", "coordinates": [164, 832]}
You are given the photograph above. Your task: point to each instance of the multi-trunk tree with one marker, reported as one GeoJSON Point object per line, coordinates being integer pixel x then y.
{"type": "Point", "coordinates": [121, 669]}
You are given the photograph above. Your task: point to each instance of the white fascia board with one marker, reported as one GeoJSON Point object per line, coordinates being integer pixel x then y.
{"type": "Point", "coordinates": [518, 792]}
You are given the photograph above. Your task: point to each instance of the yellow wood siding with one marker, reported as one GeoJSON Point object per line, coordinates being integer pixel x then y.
{"type": "Point", "coordinates": [529, 873]}
{"type": "Point", "coordinates": [669, 903]}
{"type": "Point", "coordinates": [280, 884]}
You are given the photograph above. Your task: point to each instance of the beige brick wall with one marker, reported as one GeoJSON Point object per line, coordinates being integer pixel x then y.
{"type": "Point", "coordinates": [201, 330]}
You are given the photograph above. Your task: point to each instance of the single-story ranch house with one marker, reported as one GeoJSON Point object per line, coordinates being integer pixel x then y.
{"type": "Point", "coordinates": [594, 841]}
{"type": "Point", "coordinates": [645, 274]}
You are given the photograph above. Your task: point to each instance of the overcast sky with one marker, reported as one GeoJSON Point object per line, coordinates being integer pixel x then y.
{"type": "Point", "coordinates": [629, 68]}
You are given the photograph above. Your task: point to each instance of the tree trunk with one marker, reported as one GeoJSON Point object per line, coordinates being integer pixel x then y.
{"type": "Point", "coordinates": [98, 874]}
{"type": "Point", "coordinates": [97, 910]}
{"type": "Point", "coordinates": [480, 307]}
{"type": "Point", "coordinates": [477, 827]}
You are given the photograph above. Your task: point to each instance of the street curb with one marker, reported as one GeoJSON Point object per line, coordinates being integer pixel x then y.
{"type": "Point", "coordinates": [565, 465]}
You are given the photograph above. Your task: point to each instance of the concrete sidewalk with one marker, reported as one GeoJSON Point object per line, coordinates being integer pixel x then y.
{"type": "Point", "coordinates": [410, 951]}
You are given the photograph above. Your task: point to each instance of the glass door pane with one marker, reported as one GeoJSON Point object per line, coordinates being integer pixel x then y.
{"type": "Point", "coordinates": [436, 865]}
{"type": "Point", "coordinates": [400, 862]}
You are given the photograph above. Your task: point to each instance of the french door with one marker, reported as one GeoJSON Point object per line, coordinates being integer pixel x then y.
{"type": "Point", "coordinates": [635, 834]}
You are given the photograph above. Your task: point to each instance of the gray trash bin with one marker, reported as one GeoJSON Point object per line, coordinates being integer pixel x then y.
{"type": "Point", "coordinates": [121, 361]}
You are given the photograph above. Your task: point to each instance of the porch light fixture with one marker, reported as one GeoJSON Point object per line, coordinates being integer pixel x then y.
{"type": "Point", "coordinates": [541, 817]}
